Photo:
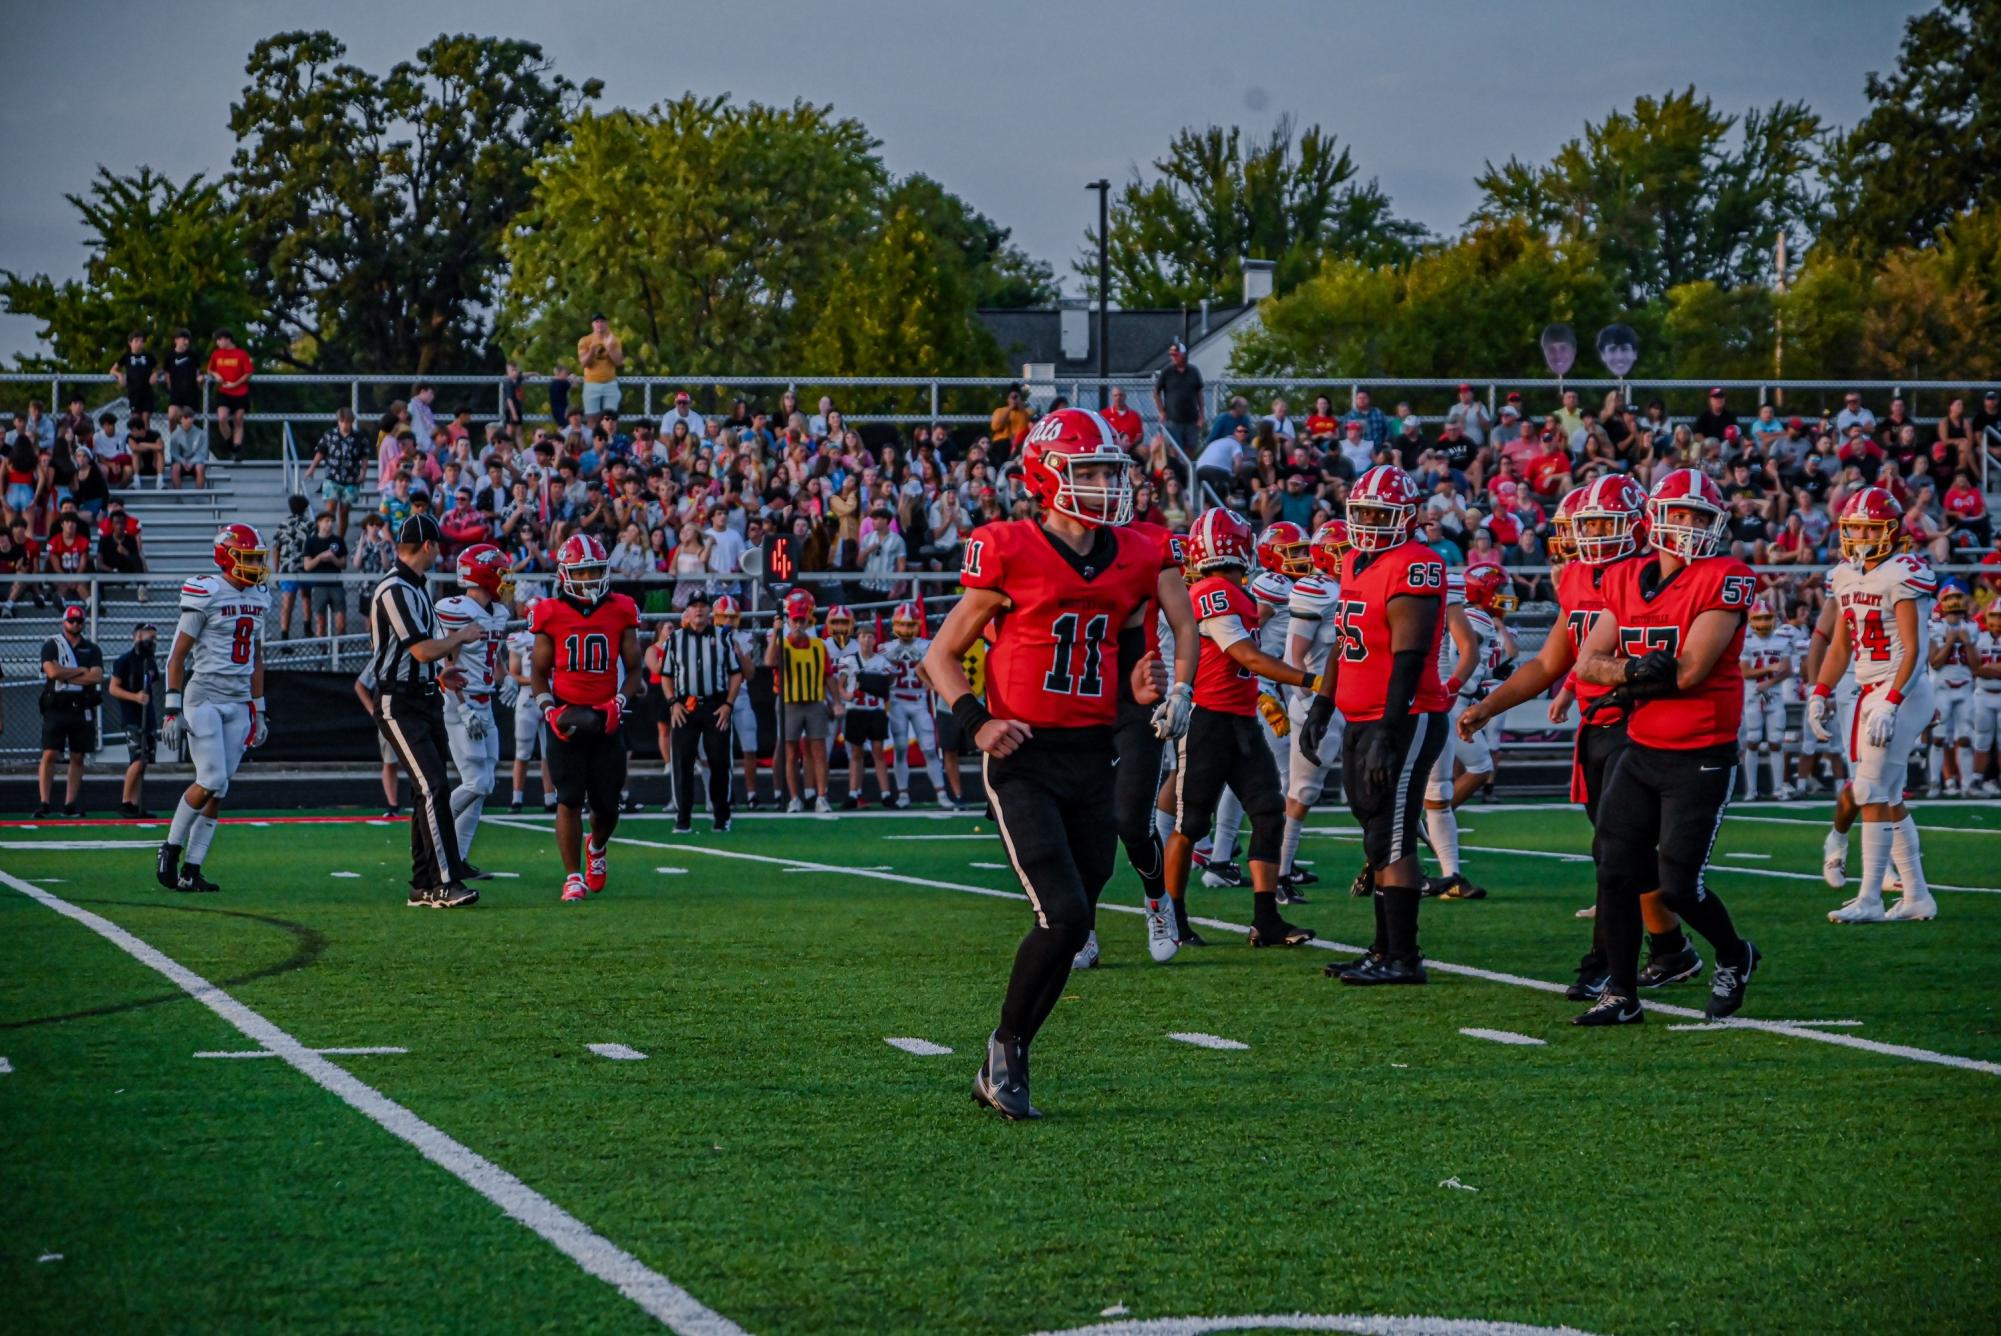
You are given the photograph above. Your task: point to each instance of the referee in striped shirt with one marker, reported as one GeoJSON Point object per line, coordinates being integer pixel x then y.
{"type": "Point", "coordinates": [410, 661]}
{"type": "Point", "coordinates": [700, 673]}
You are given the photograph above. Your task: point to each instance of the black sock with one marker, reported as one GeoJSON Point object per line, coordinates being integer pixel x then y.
{"type": "Point", "coordinates": [1042, 957]}
{"type": "Point", "coordinates": [1620, 928]}
{"type": "Point", "coordinates": [1380, 944]}
{"type": "Point", "coordinates": [1180, 916]}
{"type": "Point", "coordinates": [1709, 917]}
{"type": "Point", "coordinates": [1264, 909]}
{"type": "Point", "coordinates": [1670, 943]}
{"type": "Point", "coordinates": [1400, 920]}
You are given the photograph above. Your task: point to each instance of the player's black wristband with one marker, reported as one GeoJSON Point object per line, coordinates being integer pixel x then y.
{"type": "Point", "coordinates": [1406, 671]}
{"type": "Point", "coordinates": [970, 714]}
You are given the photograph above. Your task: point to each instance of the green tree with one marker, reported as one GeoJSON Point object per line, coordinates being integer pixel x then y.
{"type": "Point", "coordinates": [1000, 274]}
{"type": "Point", "coordinates": [1718, 333]}
{"type": "Point", "coordinates": [1823, 312]}
{"type": "Point", "coordinates": [376, 205]}
{"type": "Point", "coordinates": [703, 229]}
{"type": "Point", "coordinates": [1672, 192]}
{"type": "Point", "coordinates": [161, 256]}
{"type": "Point", "coordinates": [1930, 147]}
{"type": "Point", "coordinates": [1214, 202]}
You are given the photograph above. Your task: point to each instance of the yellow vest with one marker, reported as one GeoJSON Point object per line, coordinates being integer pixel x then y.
{"type": "Point", "coordinates": [803, 672]}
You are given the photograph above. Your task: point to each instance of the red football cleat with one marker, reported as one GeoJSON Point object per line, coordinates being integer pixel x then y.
{"type": "Point", "coordinates": [573, 888]}
{"type": "Point", "coordinates": [594, 859]}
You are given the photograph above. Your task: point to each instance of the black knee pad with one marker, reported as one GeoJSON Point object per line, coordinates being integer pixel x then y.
{"type": "Point", "coordinates": [1267, 836]}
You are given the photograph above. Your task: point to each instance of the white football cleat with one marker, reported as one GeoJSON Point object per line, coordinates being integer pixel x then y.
{"type": "Point", "coordinates": [1912, 909]}
{"type": "Point", "coordinates": [1834, 859]}
{"type": "Point", "coordinates": [795, 806]}
{"type": "Point", "coordinates": [1160, 941]}
{"type": "Point", "coordinates": [1087, 954]}
{"type": "Point", "coordinates": [1858, 910]}
{"type": "Point", "coordinates": [822, 806]}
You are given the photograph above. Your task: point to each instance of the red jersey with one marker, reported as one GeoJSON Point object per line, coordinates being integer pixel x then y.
{"type": "Point", "coordinates": [230, 365]}
{"type": "Point", "coordinates": [1362, 628]}
{"type": "Point", "coordinates": [586, 666]}
{"type": "Point", "coordinates": [1227, 613]}
{"type": "Point", "coordinates": [70, 554]}
{"type": "Point", "coordinates": [1055, 656]}
{"type": "Point", "coordinates": [1708, 714]}
{"type": "Point", "coordinates": [1580, 597]}
{"type": "Point", "coordinates": [1170, 559]}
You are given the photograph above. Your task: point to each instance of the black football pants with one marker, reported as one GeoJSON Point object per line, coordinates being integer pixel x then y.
{"type": "Point", "coordinates": [414, 724]}
{"type": "Point", "coordinates": [702, 729]}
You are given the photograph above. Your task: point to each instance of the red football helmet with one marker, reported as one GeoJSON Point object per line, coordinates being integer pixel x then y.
{"type": "Point", "coordinates": [1058, 447]}
{"type": "Point", "coordinates": [1992, 618]}
{"type": "Point", "coordinates": [1605, 522]}
{"type": "Point", "coordinates": [240, 554]}
{"type": "Point", "coordinates": [1330, 545]}
{"type": "Point", "coordinates": [905, 621]}
{"type": "Point", "coordinates": [1764, 617]}
{"type": "Point", "coordinates": [799, 606]}
{"type": "Point", "coordinates": [726, 611]}
{"type": "Point", "coordinates": [1487, 587]}
{"type": "Point", "coordinates": [1563, 527]}
{"type": "Point", "coordinates": [1685, 493]}
{"type": "Point", "coordinates": [582, 568]}
{"type": "Point", "coordinates": [840, 621]}
{"type": "Point", "coordinates": [1219, 540]}
{"type": "Point", "coordinates": [1868, 525]}
{"type": "Point", "coordinates": [485, 566]}
{"type": "Point", "coordinates": [1381, 506]}
{"type": "Point", "coordinates": [1282, 549]}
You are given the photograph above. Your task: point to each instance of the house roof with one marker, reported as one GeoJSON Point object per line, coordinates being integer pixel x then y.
{"type": "Point", "coordinates": [1138, 339]}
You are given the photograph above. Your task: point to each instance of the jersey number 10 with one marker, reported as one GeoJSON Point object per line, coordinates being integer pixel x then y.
{"type": "Point", "coordinates": [587, 654]}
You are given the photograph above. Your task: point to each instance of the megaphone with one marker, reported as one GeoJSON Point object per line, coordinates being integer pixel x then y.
{"type": "Point", "coordinates": [752, 563]}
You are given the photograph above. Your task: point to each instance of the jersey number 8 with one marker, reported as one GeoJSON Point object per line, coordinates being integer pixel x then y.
{"type": "Point", "coordinates": [242, 639]}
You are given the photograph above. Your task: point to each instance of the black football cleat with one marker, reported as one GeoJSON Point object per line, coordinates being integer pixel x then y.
{"type": "Point", "coordinates": [1219, 875]}
{"type": "Point", "coordinates": [1304, 876]}
{"type": "Point", "coordinates": [1611, 1009]}
{"type": "Point", "coordinates": [472, 873]}
{"type": "Point", "coordinates": [1002, 1083]}
{"type": "Point", "coordinates": [1280, 933]}
{"type": "Point", "coordinates": [1671, 968]}
{"type": "Point", "coordinates": [1189, 937]}
{"type": "Point", "coordinates": [1385, 970]}
{"type": "Point", "coordinates": [167, 867]}
{"type": "Point", "coordinates": [429, 898]}
{"type": "Point", "coordinates": [1341, 967]}
{"type": "Point", "coordinates": [514, 809]}
{"type": "Point", "coordinates": [192, 881]}
{"type": "Point", "coordinates": [1289, 892]}
{"type": "Point", "coordinates": [43, 812]}
{"type": "Point", "coordinates": [1432, 887]}
{"type": "Point", "coordinates": [457, 895]}
{"type": "Point", "coordinates": [75, 812]}
{"type": "Point", "coordinates": [1589, 985]}
{"type": "Point", "coordinates": [1456, 887]}
{"type": "Point", "coordinates": [1726, 984]}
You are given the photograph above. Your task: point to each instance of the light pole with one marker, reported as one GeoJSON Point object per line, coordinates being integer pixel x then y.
{"type": "Point", "coordinates": [1104, 189]}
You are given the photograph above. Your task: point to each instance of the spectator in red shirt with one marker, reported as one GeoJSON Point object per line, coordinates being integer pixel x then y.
{"type": "Point", "coordinates": [1965, 508]}
{"type": "Point", "coordinates": [1322, 427]}
{"type": "Point", "coordinates": [1549, 472]}
{"type": "Point", "coordinates": [1123, 421]}
{"type": "Point", "coordinates": [230, 367]}
{"type": "Point", "coordinates": [1861, 452]}
{"type": "Point", "coordinates": [69, 554]}
{"type": "Point", "coordinates": [464, 524]}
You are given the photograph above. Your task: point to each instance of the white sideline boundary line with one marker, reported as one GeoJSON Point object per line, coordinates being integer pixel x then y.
{"type": "Point", "coordinates": [1905, 1051]}
{"type": "Point", "coordinates": [659, 1297]}
{"type": "Point", "coordinates": [323, 1052]}
{"type": "Point", "coordinates": [1500, 1036]}
{"type": "Point", "coordinates": [1345, 833]}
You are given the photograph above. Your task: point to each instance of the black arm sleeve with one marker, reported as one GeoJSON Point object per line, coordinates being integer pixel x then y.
{"type": "Point", "coordinates": [1132, 644]}
{"type": "Point", "coordinates": [1406, 671]}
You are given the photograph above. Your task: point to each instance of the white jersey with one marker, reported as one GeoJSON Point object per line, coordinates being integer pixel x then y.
{"type": "Point", "coordinates": [1987, 653]}
{"type": "Point", "coordinates": [1310, 617]}
{"type": "Point", "coordinates": [227, 627]}
{"type": "Point", "coordinates": [845, 659]}
{"type": "Point", "coordinates": [1273, 594]}
{"type": "Point", "coordinates": [1956, 673]}
{"type": "Point", "coordinates": [479, 660]}
{"type": "Point", "coordinates": [1489, 651]}
{"type": "Point", "coordinates": [904, 656]}
{"type": "Point", "coordinates": [1761, 653]}
{"type": "Point", "coordinates": [1868, 602]}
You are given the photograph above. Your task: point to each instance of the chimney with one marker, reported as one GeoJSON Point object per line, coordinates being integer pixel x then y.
{"type": "Point", "coordinates": [1257, 280]}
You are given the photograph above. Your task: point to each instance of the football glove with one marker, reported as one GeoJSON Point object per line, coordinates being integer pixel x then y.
{"type": "Point", "coordinates": [1881, 725]}
{"type": "Point", "coordinates": [478, 723]}
{"type": "Point", "coordinates": [260, 723]}
{"type": "Point", "coordinates": [614, 711]}
{"type": "Point", "coordinates": [552, 715]}
{"type": "Point", "coordinates": [1274, 713]}
{"type": "Point", "coordinates": [1170, 717]}
{"type": "Point", "coordinates": [1656, 666]}
{"type": "Point", "coordinates": [1313, 733]}
{"type": "Point", "coordinates": [1375, 770]}
{"type": "Point", "coordinates": [1818, 708]}
{"type": "Point", "coordinates": [173, 728]}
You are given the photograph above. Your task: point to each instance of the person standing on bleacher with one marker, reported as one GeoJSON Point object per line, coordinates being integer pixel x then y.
{"type": "Point", "coordinates": [72, 674]}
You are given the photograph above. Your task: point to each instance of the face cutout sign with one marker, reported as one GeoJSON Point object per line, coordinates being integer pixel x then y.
{"type": "Point", "coordinates": [1618, 349]}
{"type": "Point", "coordinates": [1559, 348]}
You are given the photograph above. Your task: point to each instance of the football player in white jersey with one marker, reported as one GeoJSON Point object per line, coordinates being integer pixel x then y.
{"type": "Point", "coordinates": [866, 723]}
{"type": "Point", "coordinates": [844, 653]}
{"type": "Point", "coordinates": [215, 695]}
{"type": "Point", "coordinates": [1464, 765]}
{"type": "Point", "coordinates": [1885, 604]}
{"type": "Point", "coordinates": [1987, 700]}
{"type": "Point", "coordinates": [1766, 661]}
{"type": "Point", "coordinates": [1310, 636]}
{"type": "Point", "coordinates": [1282, 556]}
{"type": "Point", "coordinates": [913, 713]}
{"type": "Point", "coordinates": [527, 716]}
{"type": "Point", "coordinates": [470, 732]}
{"type": "Point", "coordinates": [727, 613]}
{"type": "Point", "coordinates": [1951, 660]}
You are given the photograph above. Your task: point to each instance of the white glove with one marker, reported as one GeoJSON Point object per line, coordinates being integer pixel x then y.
{"type": "Point", "coordinates": [260, 723]}
{"type": "Point", "coordinates": [1881, 725]}
{"type": "Point", "coordinates": [478, 722]}
{"type": "Point", "coordinates": [1170, 717]}
{"type": "Point", "coordinates": [173, 728]}
{"type": "Point", "coordinates": [1818, 708]}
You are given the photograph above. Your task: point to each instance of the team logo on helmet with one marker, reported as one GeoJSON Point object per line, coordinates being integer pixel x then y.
{"type": "Point", "coordinates": [840, 621]}
{"type": "Point", "coordinates": [726, 611]}
{"type": "Point", "coordinates": [1764, 617]}
{"type": "Point", "coordinates": [1487, 587]}
{"type": "Point", "coordinates": [1605, 523]}
{"type": "Point", "coordinates": [1283, 549]}
{"type": "Point", "coordinates": [1869, 525]}
{"type": "Point", "coordinates": [1381, 506]}
{"type": "Point", "coordinates": [1073, 465]}
{"type": "Point", "coordinates": [905, 621]}
{"type": "Point", "coordinates": [799, 606]}
{"type": "Point", "coordinates": [484, 566]}
{"type": "Point", "coordinates": [1219, 540]}
{"type": "Point", "coordinates": [1330, 545]}
{"type": "Point", "coordinates": [1563, 527]}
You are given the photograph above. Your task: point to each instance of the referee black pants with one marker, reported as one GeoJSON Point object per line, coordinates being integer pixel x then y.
{"type": "Point", "coordinates": [704, 729]}
{"type": "Point", "coordinates": [414, 724]}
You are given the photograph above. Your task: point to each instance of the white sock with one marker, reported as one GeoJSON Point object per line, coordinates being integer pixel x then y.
{"type": "Point", "coordinates": [1965, 757]}
{"type": "Point", "coordinates": [517, 797]}
{"type": "Point", "coordinates": [198, 840]}
{"type": "Point", "coordinates": [184, 820]}
{"type": "Point", "coordinates": [1750, 773]}
{"type": "Point", "coordinates": [548, 802]}
{"type": "Point", "coordinates": [1777, 760]}
{"type": "Point", "coordinates": [1442, 824]}
{"type": "Point", "coordinates": [467, 804]}
{"type": "Point", "coordinates": [1875, 858]}
{"type": "Point", "coordinates": [1289, 849]}
{"type": "Point", "coordinates": [1934, 764]}
{"type": "Point", "coordinates": [1229, 820]}
{"type": "Point", "coordinates": [899, 765]}
{"type": "Point", "coordinates": [1908, 858]}
{"type": "Point", "coordinates": [1163, 824]}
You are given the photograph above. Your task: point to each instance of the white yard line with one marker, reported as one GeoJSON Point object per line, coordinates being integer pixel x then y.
{"type": "Point", "coordinates": [617, 1052]}
{"type": "Point", "coordinates": [1206, 1040]}
{"type": "Point", "coordinates": [323, 1052]}
{"type": "Point", "coordinates": [923, 1048]}
{"type": "Point", "coordinates": [1498, 1036]}
{"type": "Point", "coordinates": [659, 1297]}
{"type": "Point", "coordinates": [939, 837]}
{"type": "Point", "coordinates": [79, 846]}
{"type": "Point", "coordinates": [1444, 967]}
{"type": "Point", "coordinates": [1733, 1025]}
{"type": "Point", "coordinates": [1748, 855]}
{"type": "Point", "coordinates": [1366, 1324]}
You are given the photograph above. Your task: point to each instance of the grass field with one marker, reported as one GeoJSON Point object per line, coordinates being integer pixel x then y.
{"type": "Point", "coordinates": [773, 1163]}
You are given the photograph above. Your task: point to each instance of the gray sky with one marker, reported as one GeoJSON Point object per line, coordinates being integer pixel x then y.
{"type": "Point", "coordinates": [1014, 106]}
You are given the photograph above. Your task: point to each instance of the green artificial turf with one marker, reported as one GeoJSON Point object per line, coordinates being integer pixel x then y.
{"type": "Point", "coordinates": [777, 1159]}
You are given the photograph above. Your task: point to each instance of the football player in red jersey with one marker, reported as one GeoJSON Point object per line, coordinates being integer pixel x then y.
{"type": "Point", "coordinates": [1603, 525]}
{"type": "Point", "coordinates": [1053, 596]}
{"type": "Point", "coordinates": [1383, 675]}
{"type": "Point", "coordinates": [1224, 744]}
{"type": "Point", "coordinates": [585, 670]}
{"type": "Point", "coordinates": [1668, 648]}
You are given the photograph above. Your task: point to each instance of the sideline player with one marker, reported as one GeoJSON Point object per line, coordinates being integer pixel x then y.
{"type": "Point", "coordinates": [1225, 743]}
{"type": "Point", "coordinates": [865, 678]}
{"type": "Point", "coordinates": [809, 699]}
{"type": "Point", "coordinates": [1384, 680]}
{"type": "Point", "coordinates": [527, 715]}
{"type": "Point", "coordinates": [1054, 596]}
{"type": "Point", "coordinates": [470, 732]}
{"type": "Point", "coordinates": [1465, 763]}
{"type": "Point", "coordinates": [1885, 600]}
{"type": "Point", "coordinates": [843, 652]}
{"type": "Point", "coordinates": [215, 695]}
{"type": "Point", "coordinates": [1309, 636]}
{"type": "Point", "coordinates": [1951, 661]}
{"type": "Point", "coordinates": [728, 614]}
{"type": "Point", "coordinates": [585, 671]}
{"type": "Point", "coordinates": [913, 712]}
{"type": "Point", "coordinates": [1987, 700]}
{"type": "Point", "coordinates": [1669, 646]}
{"type": "Point", "coordinates": [1767, 662]}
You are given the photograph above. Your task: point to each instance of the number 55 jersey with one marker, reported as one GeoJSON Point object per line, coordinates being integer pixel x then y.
{"type": "Point", "coordinates": [1656, 612]}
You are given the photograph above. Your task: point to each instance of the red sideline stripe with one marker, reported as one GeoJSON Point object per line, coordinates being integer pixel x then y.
{"type": "Point", "coordinates": [220, 821]}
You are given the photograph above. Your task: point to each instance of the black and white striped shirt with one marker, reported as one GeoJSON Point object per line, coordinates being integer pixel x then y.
{"type": "Point", "coordinates": [399, 616]}
{"type": "Point", "coordinates": [699, 663]}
